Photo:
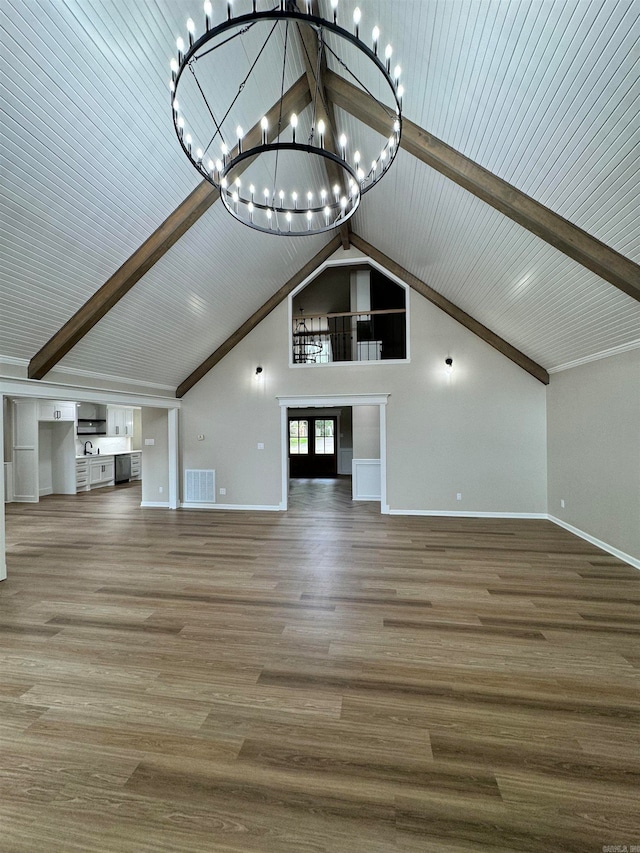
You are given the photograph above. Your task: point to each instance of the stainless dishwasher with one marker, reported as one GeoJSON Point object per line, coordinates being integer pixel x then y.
{"type": "Point", "coordinates": [123, 468]}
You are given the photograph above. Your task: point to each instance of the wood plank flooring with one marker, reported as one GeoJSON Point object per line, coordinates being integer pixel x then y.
{"type": "Point", "coordinates": [326, 680]}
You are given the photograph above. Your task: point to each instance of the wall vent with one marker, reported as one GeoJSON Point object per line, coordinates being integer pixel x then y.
{"type": "Point", "coordinates": [199, 486]}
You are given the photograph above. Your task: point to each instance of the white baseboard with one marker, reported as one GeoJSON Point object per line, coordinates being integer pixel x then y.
{"type": "Point", "coordinates": [255, 508]}
{"type": "Point", "coordinates": [461, 514]}
{"type": "Point", "coordinates": [615, 552]}
{"type": "Point", "coordinates": [154, 504]}
{"type": "Point", "coordinates": [45, 492]}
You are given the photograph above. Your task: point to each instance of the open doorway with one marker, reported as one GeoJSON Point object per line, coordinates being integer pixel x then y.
{"type": "Point", "coordinates": [319, 447]}
{"type": "Point", "coordinates": [319, 439]}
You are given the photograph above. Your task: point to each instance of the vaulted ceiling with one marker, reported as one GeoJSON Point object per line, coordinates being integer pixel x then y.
{"type": "Point", "coordinates": [544, 94]}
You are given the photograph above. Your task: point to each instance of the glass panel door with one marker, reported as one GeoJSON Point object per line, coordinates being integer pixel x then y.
{"type": "Point", "coordinates": [312, 447]}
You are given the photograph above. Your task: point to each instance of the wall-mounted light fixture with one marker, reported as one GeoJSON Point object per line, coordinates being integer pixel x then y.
{"type": "Point", "coordinates": [258, 372]}
{"type": "Point", "coordinates": [449, 365]}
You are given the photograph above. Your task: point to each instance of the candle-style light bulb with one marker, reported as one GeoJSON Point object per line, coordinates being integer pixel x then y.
{"type": "Point", "coordinates": [321, 129]}
{"type": "Point", "coordinates": [375, 35]}
{"type": "Point", "coordinates": [309, 197]}
{"type": "Point", "coordinates": [327, 214]}
{"type": "Point", "coordinates": [250, 209]}
{"type": "Point", "coordinates": [343, 203]}
{"type": "Point", "coordinates": [174, 66]}
{"type": "Point", "coordinates": [400, 93]}
{"type": "Point", "coordinates": [180, 125]}
{"type": "Point", "coordinates": [188, 140]}
{"type": "Point", "coordinates": [334, 6]}
{"type": "Point", "coordinates": [288, 218]}
{"type": "Point", "coordinates": [343, 145]}
{"type": "Point", "coordinates": [388, 52]}
{"type": "Point", "coordinates": [191, 29]}
{"type": "Point", "coordinates": [323, 195]}
{"type": "Point", "coordinates": [264, 124]}
{"type": "Point", "coordinates": [294, 196]}
{"type": "Point", "coordinates": [397, 71]}
{"type": "Point", "coordinates": [218, 165]}
{"type": "Point", "coordinates": [357, 15]}
{"type": "Point", "coordinates": [294, 124]}
{"type": "Point", "coordinates": [281, 197]}
{"type": "Point", "coordinates": [229, 9]}
{"type": "Point", "coordinates": [356, 157]}
{"type": "Point", "coordinates": [199, 154]}
{"type": "Point", "coordinates": [374, 166]}
{"type": "Point", "coordinates": [239, 134]}
{"type": "Point", "coordinates": [208, 11]}
{"type": "Point", "coordinates": [252, 190]}
{"type": "Point", "coordinates": [265, 193]}
{"type": "Point", "coordinates": [336, 191]}
{"type": "Point", "coordinates": [309, 218]}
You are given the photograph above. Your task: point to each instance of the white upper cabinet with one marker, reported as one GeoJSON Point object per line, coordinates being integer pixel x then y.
{"type": "Point", "coordinates": [56, 410]}
{"type": "Point", "coordinates": [119, 421]}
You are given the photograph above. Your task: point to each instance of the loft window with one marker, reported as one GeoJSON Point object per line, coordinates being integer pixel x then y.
{"type": "Point", "coordinates": [349, 314]}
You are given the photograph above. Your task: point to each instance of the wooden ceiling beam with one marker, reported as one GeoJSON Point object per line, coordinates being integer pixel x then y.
{"type": "Point", "coordinates": [521, 208]}
{"type": "Point", "coordinates": [315, 67]}
{"type": "Point", "coordinates": [259, 316]}
{"type": "Point", "coordinates": [143, 259]}
{"type": "Point", "coordinates": [452, 310]}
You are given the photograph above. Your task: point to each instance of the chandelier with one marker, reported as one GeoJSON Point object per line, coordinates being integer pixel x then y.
{"type": "Point", "coordinates": [303, 165]}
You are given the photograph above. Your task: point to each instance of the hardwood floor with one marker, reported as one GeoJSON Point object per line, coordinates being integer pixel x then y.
{"type": "Point", "coordinates": [326, 679]}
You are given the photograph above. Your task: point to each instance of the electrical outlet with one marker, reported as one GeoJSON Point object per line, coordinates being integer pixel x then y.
{"type": "Point", "coordinates": [261, 445]}
{"type": "Point", "coordinates": [459, 496]}
{"type": "Point", "coordinates": [201, 437]}
{"type": "Point", "coordinates": [161, 489]}
{"type": "Point", "coordinates": [561, 503]}
{"type": "Point", "coordinates": [223, 491]}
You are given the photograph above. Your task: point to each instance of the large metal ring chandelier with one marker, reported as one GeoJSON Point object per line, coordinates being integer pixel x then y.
{"type": "Point", "coordinates": [293, 173]}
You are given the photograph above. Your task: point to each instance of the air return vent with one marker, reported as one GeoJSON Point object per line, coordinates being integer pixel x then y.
{"type": "Point", "coordinates": [199, 486]}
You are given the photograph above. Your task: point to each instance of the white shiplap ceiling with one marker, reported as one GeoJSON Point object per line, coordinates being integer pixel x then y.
{"type": "Point", "coordinates": [544, 93]}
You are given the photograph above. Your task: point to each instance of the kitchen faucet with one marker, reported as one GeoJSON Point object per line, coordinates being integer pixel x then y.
{"type": "Point", "coordinates": [88, 452]}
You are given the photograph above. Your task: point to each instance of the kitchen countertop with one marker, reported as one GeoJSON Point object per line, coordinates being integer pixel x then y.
{"type": "Point", "coordinates": [103, 455]}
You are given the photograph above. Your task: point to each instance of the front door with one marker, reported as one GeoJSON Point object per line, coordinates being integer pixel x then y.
{"type": "Point", "coordinates": [312, 447]}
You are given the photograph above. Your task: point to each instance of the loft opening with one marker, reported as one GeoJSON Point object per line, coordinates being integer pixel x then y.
{"type": "Point", "coordinates": [353, 314]}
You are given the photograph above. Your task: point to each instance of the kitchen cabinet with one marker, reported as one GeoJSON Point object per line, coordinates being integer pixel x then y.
{"type": "Point", "coordinates": [119, 421]}
{"type": "Point", "coordinates": [101, 471]}
{"type": "Point", "coordinates": [136, 466]}
{"type": "Point", "coordinates": [56, 410]}
{"type": "Point", "coordinates": [82, 475]}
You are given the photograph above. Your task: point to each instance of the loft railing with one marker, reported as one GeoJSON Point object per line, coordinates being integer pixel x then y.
{"type": "Point", "coordinates": [349, 336]}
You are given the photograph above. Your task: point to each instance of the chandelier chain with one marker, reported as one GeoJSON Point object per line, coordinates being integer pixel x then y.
{"type": "Point", "coordinates": [213, 118]}
{"type": "Point", "coordinates": [284, 66]}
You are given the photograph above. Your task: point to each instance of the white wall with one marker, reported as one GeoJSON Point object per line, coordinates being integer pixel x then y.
{"type": "Point", "coordinates": [481, 432]}
{"type": "Point", "coordinates": [366, 432]}
{"type": "Point", "coordinates": [594, 449]}
{"type": "Point", "coordinates": [155, 464]}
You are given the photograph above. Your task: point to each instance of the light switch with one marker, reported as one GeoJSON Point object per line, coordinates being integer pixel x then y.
{"type": "Point", "coordinates": [201, 437]}
{"type": "Point", "coordinates": [261, 445]}
{"type": "Point", "coordinates": [149, 441]}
